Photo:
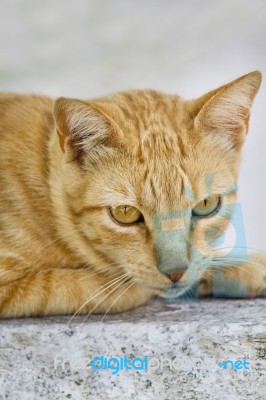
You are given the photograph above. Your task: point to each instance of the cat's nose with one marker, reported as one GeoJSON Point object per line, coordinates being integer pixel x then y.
{"type": "Point", "coordinates": [175, 277]}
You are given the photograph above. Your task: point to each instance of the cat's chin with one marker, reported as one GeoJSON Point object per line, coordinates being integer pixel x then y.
{"type": "Point", "coordinates": [177, 292]}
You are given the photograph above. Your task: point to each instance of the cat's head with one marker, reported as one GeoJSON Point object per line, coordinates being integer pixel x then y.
{"type": "Point", "coordinates": [149, 179]}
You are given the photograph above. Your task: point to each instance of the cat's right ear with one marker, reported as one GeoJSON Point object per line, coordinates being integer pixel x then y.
{"type": "Point", "coordinates": [224, 112]}
{"type": "Point", "coordinates": [83, 128]}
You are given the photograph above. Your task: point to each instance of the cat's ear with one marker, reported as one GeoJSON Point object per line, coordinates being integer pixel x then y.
{"type": "Point", "coordinates": [225, 112]}
{"type": "Point", "coordinates": [83, 128]}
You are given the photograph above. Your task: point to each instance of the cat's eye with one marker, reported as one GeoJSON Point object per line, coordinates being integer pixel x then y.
{"type": "Point", "coordinates": [207, 207]}
{"type": "Point", "coordinates": [126, 214]}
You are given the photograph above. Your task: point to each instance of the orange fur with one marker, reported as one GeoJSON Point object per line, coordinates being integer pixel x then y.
{"type": "Point", "coordinates": [60, 250]}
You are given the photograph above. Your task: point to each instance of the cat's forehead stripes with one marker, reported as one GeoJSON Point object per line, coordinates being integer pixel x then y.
{"type": "Point", "coordinates": [149, 121]}
{"type": "Point", "coordinates": [168, 159]}
{"type": "Point", "coordinates": [164, 169]}
{"type": "Point", "coordinates": [140, 110]}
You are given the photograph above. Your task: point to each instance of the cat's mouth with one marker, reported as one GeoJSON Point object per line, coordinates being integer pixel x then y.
{"type": "Point", "coordinates": [173, 286]}
{"type": "Point", "coordinates": [177, 291]}
{"type": "Point", "coordinates": [177, 287]}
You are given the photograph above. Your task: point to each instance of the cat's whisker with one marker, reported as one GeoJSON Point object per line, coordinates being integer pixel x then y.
{"type": "Point", "coordinates": [240, 247]}
{"type": "Point", "coordinates": [114, 281]}
{"type": "Point", "coordinates": [131, 284]}
{"type": "Point", "coordinates": [104, 269]}
{"type": "Point", "coordinates": [100, 270]}
{"type": "Point", "coordinates": [120, 284]}
{"type": "Point", "coordinates": [95, 294]}
{"type": "Point", "coordinates": [246, 271]}
{"type": "Point", "coordinates": [227, 263]}
{"type": "Point", "coordinates": [240, 267]}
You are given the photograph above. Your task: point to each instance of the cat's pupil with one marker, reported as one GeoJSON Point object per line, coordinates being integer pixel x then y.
{"type": "Point", "coordinates": [207, 207]}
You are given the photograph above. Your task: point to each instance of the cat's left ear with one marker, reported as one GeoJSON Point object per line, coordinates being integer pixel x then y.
{"type": "Point", "coordinates": [84, 129]}
{"type": "Point", "coordinates": [225, 111]}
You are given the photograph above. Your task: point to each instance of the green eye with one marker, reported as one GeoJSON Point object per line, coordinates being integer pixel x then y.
{"type": "Point", "coordinates": [208, 206]}
{"type": "Point", "coordinates": [125, 214]}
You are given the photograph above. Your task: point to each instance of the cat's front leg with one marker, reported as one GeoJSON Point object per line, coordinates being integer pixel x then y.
{"type": "Point", "coordinates": [246, 280]}
{"type": "Point", "coordinates": [66, 291]}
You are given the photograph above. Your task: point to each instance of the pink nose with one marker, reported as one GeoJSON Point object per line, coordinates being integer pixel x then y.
{"type": "Point", "coordinates": [175, 277]}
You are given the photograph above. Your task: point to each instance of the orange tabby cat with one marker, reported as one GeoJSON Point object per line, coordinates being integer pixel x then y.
{"type": "Point", "coordinates": [77, 214]}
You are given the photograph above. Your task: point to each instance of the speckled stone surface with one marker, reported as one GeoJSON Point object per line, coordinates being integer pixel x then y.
{"type": "Point", "coordinates": [47, 358]}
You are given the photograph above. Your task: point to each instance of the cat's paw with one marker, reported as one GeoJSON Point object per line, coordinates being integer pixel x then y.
{"type": "Point", "coordinates": [205, 287]}
{"type": "Point", "coordinates": [251, 275]}
{"type": "Point", "coordinates": [243, 281]}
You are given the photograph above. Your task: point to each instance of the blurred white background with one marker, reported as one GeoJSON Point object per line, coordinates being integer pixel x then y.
{"type": "Point", "coordinates": [86, 48]}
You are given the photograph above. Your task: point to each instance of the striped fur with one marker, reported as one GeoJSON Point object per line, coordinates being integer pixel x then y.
{"type": "Point", "coordinates": [60, 251]}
